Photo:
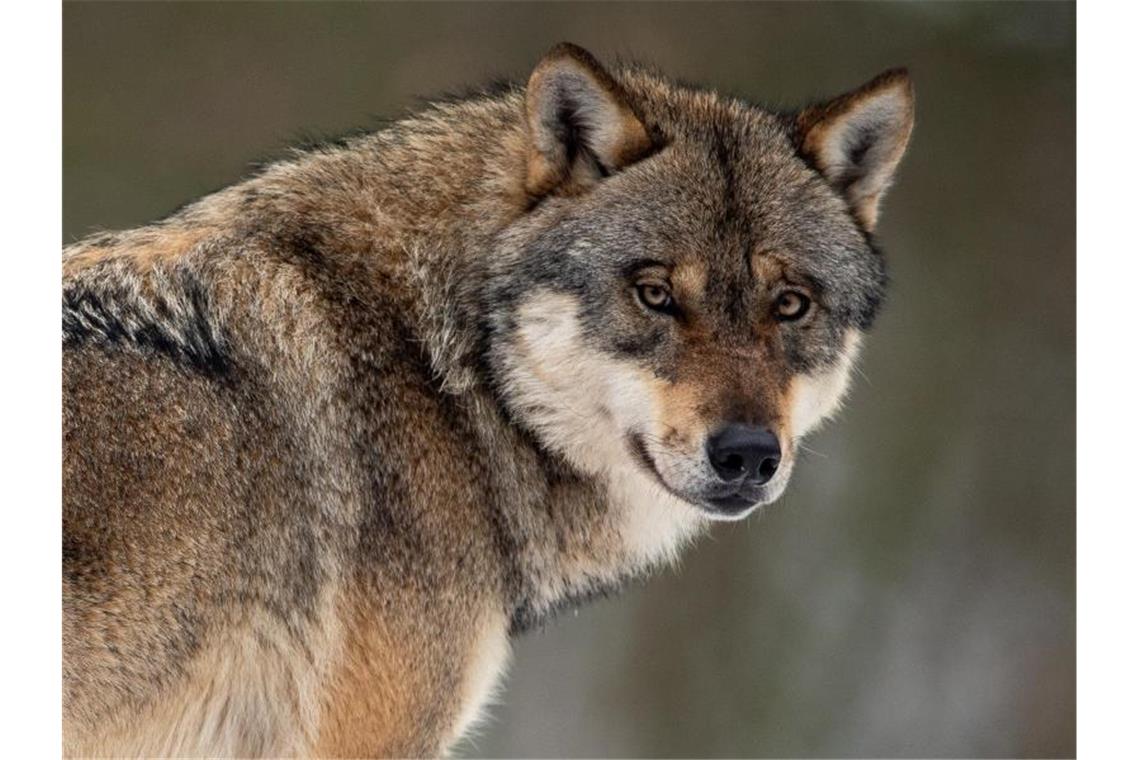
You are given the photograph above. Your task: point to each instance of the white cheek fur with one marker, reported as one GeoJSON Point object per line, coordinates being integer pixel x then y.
{"type": "Point", "coordinates": [583, 403]}
{"type": "Point", "coordinates": [814, 398]}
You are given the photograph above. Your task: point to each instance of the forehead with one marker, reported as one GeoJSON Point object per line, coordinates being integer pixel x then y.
{"type": "Point", "coordinates": [724, 189]}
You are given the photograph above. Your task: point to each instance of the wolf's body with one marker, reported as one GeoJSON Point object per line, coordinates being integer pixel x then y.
{"type": "Point", "coordinates": [333, 434]}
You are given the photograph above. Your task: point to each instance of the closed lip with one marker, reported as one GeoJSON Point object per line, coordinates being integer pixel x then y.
{"type": "Point", "coordinates": [733, 503]}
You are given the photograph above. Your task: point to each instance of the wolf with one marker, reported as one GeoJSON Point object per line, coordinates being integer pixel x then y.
{"type": "Point", "coordinates": [335, 434]}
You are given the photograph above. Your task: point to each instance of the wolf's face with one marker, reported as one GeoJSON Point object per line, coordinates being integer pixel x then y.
{"type": "Point", "coordinates": [688, 298]}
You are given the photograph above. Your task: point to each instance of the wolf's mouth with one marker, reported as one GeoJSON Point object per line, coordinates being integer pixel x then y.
{"type": "Point", "coordinates": [642, 456]}
{"type": "Point", "coordinates": [734, 503]}
{"type": "Point", "coordinates": [724, 505]}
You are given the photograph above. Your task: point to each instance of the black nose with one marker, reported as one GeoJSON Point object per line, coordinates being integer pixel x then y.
{"type": "Point", "coordinates": [745, 453]}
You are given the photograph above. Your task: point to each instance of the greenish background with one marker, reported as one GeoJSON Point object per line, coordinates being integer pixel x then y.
{"type": "Point", "coordinates": [914, 592]}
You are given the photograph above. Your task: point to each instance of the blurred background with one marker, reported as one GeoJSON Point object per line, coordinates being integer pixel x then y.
{"type": "Point", "coordinates": [914, 592]}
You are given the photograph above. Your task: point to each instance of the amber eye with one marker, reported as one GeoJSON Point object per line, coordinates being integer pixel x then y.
{"type": "Point", "coordinates": [791, 305]}
{"type": "Point", "coordinates": [655, 296]}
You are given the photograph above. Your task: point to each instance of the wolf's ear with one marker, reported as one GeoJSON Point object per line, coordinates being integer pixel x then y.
{"type": "Point", "coordinates": [857, 139]}
{"type": "Point", "coordinates": [580, 124]}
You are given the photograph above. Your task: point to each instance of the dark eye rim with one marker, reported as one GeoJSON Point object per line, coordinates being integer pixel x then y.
{"type": "Point", "coordinates": [668, 306]}
{"type": "Point", "coordinates": [803, 310]}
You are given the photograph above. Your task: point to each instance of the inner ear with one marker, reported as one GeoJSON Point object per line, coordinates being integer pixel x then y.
{"type": "Point", "coordinates": [580, 123]}
{"type": "Point", "coordinates": [858, 139]}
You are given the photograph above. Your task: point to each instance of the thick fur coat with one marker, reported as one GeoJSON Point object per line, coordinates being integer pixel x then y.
{"type": "Point", "coordinates": [334, 434]}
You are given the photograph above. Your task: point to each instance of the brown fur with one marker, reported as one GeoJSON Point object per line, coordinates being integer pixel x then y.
{"type": "Point", "coordinates": [330, 433]}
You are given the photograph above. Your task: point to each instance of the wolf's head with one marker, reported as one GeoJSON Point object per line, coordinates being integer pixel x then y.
{"type": "Point", "coordinates": [688, 291]}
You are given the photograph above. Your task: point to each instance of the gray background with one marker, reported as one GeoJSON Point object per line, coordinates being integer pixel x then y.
{"type": "Point", "coordinates": [914, 592]}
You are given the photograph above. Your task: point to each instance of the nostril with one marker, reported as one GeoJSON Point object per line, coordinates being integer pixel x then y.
{"type": "Point", "coordinates": [767, 469]}
{"type": "Point", "coordinates": [731, 463]}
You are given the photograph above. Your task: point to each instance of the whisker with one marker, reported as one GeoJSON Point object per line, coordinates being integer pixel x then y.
{"type": "Point", "coordinates": [810, 450]}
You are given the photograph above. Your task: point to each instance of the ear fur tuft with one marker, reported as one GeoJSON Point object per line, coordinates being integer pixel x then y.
{"type": "Point", "coordinates": [581, 126]}
{"type": "Point", "coordinates": [858, 139]}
